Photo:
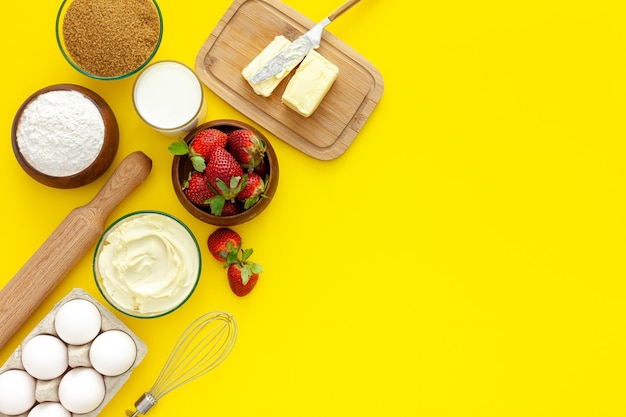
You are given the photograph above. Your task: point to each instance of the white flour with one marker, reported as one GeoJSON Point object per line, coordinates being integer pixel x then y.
{"type": "Point", "coordinates": [60, 133]}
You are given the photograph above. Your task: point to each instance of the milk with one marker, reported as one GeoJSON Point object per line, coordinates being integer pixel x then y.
{"type": "Point", "coordinates": [168, 96]}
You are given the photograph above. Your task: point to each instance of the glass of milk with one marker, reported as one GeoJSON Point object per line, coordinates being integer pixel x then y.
{"type": "Point", "coordinates": [168, 96]}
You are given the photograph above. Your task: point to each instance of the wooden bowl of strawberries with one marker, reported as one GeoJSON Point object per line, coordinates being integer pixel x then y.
{"type": "Point", "coordinates": [224, 172]}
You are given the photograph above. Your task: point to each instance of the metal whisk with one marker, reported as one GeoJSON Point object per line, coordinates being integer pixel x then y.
{"type": "Point", "coordinates": [204, 345]}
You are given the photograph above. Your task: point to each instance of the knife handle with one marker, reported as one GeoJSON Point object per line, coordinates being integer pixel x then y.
{"type": "Point", "coordinates": [342, 9]}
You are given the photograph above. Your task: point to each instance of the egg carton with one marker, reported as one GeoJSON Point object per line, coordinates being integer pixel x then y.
{"type": "Point", "coordinates": [78, 355]}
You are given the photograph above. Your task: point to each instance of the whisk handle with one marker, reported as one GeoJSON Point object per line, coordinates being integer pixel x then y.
{"type": "Point", "coordinates": [143, 405]}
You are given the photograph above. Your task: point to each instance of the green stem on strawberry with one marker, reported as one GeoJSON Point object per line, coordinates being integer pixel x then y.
{"type": "Point", "coordinates": [225, 193]}
{"type": "Point", "coordinates": [181, 148]}
{"type": "Point", "coordinates": [247, 268]}
{"type": "Point", "coordinates": [230, 191]}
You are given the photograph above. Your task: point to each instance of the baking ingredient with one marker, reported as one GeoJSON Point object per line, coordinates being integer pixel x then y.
{"type": "Point", "coordinates": [224, 167]}
{"type": "Point", "coordinates": [226, 246]}
{"type": "Point", "coordinates": [253, 190]}
{"type": "Point", "coordinates": [231, 208]}
{"type": "Point", "coordinates": [168, 96]}
{"type": "Point", "coordinates": [226, 176]}
{"type": "Point", "coordinates": [206, 140]}
{"type": "Point", "coordinates": [266, 87]}
{"type": "Point", "coordinates": [264, 169]}
{"type": "Point", "coordinates": [214, 183]}
{"type": "Point", "coordinates": [201, 146]}
{"type": "Point", "coordinates": [45, 393]}
{"type": "Point", "coordinates": [310, 84]}
{"type": "Point", "coordinates": [112, 353]}
{"type": "Point", "coordinates": [81, 390]}
{"type": "Point", "coordinates": [147, 263]}
{"type": "Point", "coordinates": [17, 392]}
{"type": "Point", "coordinates": [243, 274]}
{"type": "Point", "coordinates": [197, 189]}
{"type": "Point", "coordinates": [247, 148]}
{"type": "Point", "coordinates": [78, 321]}
{"type": "Point", "coordinates": [45, 357]}
{"type": "Point", "coordinates": [222, 242]}
{"type": "Point", "coordinates": [110, 38]}
{"type": "Point", "coordinates": [60, 132]}
{"type": "Point", "coordinates": [49, 409]}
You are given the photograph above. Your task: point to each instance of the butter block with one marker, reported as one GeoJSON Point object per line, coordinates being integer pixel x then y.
{"type": "Point", "coordinates": [309, 85]}
{"type": "Point", "coordinates": [266, 87]}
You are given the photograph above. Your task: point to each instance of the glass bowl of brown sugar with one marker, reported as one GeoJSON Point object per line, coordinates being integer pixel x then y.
{"type": "Point", "coordinates": [109, 39]}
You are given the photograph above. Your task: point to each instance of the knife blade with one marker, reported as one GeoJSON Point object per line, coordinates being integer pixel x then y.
{"type": "Point", "coordinates": [294, 53]}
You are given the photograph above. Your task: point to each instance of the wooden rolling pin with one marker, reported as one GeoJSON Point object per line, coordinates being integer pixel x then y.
{"type": "Point", "coordinates": [67, 244]}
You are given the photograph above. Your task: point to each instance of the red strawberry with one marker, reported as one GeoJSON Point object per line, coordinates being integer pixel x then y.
{"type": "Point", "coordinates": [181, 148]}
{"type": "Point", "coordinates": [201, 146]}
{"type": "Point", "coordinates": [263, 169]}
{"type": "Point", "coordinates": [222, 242]}
{"type": "Point", "coordinates": [231, 208]}
{"type": "Point", "coordinates": [243, 274]}
{"type": "Point", "coordinates": [197, 189]}
{"type": "Point", "coordinates": [226, 176]}
{"type": "Point", "coordinates": [247, 148]}
{"type": "Point", "coordinates": [253, 190]}
{"type": "Point", "coordinates": [222, 165]}
{"type": "Point", "coordinates": [205, 140]}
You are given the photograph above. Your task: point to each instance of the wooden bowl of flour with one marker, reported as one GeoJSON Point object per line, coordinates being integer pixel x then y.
{"type": "Point", "coordinates": [65, 136]}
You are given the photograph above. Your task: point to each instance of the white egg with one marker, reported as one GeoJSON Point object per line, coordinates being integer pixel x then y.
{"type": "Point", "coordinates": [49, 409]}
{"type": "Point", "coordinates": [45, 357]}
{"type": "Point", "coordinates": [112, 353]}
{"type": "Point", "coordinates": [17, 392]}
{"type": "Point", "coordinates": [78, 321]}
{"type": "Point", "coordinates": [81, 390]}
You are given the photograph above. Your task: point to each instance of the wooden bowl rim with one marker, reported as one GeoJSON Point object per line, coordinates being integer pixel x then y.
{"type": "Point", "coordinates": [103, 160]}
{"type": "Point", "coordinates": [247, 215]}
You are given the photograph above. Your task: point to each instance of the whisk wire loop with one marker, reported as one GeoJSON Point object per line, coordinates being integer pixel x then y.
{"type": "Point", "coordinates": [202, 346]}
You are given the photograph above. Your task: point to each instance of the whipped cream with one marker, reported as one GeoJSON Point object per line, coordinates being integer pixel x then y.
{"type": "Point", "coordinates": [147, 264]}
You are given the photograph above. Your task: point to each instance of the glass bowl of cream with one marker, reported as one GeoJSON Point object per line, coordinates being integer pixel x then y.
{"type": "Point", "coordinates": [147, 264]}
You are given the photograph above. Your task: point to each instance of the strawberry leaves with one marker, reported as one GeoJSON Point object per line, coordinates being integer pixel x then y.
{"type": "Point", "coordinates": [243, 274]}
{"type": "Point", "coordinates": [181, 148]}
{"type": "Point", "coordinates": [234, 166]}
{"type": "Point", "coordinates": [225, 193]}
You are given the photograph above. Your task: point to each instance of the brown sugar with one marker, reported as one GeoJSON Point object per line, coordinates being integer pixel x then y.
{"type": "Point", "coordinates": [109, 38]}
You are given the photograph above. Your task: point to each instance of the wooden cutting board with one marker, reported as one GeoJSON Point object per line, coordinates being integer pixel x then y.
{"type": "Point", "coordinates": [246, 28]}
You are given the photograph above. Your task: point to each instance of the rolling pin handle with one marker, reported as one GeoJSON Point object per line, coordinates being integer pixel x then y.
{"type": "Point", "coordinates": [67, 244]}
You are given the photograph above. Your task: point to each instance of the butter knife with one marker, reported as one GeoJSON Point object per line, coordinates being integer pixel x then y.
{"type": "Point", "coordinates": [294, 53]}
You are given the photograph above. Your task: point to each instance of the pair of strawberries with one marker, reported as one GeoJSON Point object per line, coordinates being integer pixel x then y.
{"type": "Point", "coordinates": [229, 172]}
{"type": "Point", "coordinates": [225, 246]}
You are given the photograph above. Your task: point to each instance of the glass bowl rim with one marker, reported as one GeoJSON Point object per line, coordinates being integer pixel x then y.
{"type": "Point", "coordinates": [69, 59]}
{"type": "Point", "coordinates": [97, 250]}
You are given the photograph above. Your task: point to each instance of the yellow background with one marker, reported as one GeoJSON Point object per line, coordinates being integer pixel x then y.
{"type": "Point", "coordinates": [464, 257]}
